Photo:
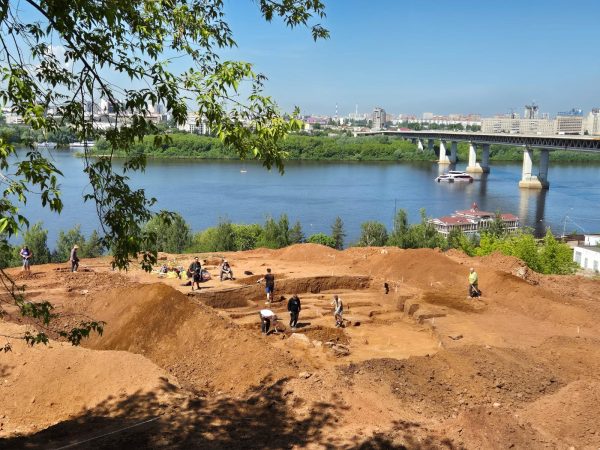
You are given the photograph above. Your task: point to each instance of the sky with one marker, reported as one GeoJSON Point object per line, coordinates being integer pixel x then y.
{"type": "Point", "coordinates": [415, 56]}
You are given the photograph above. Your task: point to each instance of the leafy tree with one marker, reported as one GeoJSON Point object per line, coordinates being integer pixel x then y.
{"type": "Point", "coordinates": [246, 236]}
{"type": "Point", "coordinates": [296, 234]}
{"type": "Point", "coordinates": [424, 235]}
{"type": "Point", "coordinates": [399, 235]}
{"type": "Point", "coordinates": [224, 236]}
{"type": "Point", "coordinates": [337, 233]}
{"type": "Point", "coordinates": [458, 240]}
{"type": "Point", "coordinates": [275, 234]}
{"type": "Point", "coordinates": [7, 254]}
{"type": "Point", "coordinates": [555, 256]}
{"type": "Point", "coordinates": [136, 40]}
{"type": "Point", "coordinates": [321, 238]}
{"type": "Point", "coordinates": [36, 238]}
{"type": "Point", "coordinates": [65, 242]}
{"type": "Point", "coordinates": [497, 227]}
{"type": "Point", "coordinates": [171, 232]}
{"type": "Point", "coordinates": [92, 247]}
{"type": "Point", "coordinates": [284, 231]}
{"type": "Point", "coordinates": [372, 234]}
{"type": "Point", "coordinates": [270, 235]}
{"type": "Point", "coordinates": [204, 241]}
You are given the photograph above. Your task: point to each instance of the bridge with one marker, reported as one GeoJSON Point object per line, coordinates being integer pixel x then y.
{"type": "Point", "coordinates": [529, 179]}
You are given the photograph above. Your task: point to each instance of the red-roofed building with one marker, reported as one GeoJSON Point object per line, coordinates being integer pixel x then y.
{"type": "Point", "coordinates": [473, 221]}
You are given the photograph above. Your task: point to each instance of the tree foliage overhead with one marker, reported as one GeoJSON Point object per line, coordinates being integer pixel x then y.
{"type": "Point", "coordinates": [56, 55]}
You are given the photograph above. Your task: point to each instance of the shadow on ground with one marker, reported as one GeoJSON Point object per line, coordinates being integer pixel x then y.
{"type": "Point", "coordinates": [260, 420]}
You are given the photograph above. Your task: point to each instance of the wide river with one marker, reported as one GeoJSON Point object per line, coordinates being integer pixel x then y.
{"type": "Point", "coordinates": [316, 192]}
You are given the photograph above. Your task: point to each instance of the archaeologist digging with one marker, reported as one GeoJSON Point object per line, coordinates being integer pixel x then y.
{"type": "Point", "coordinates": [338, 311]}
{"type": "Point", "coordinates": [473, 284]}
{"type": "Point", "coordinates": [267, 318]}
{"type": "Point", "coordinates": [294, 308]}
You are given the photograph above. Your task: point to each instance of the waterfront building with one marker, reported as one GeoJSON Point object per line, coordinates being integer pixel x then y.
{"type": "Point", "coordinates": [379, 119]}
{"type": "Point", "coordinates": [569, 122]}
{"type": "Point", "coordinates": [193, 125]}
{"type": "Point", "coordinates": [473, 221]}
{"type": "Point", "coordinates": [501, 124]}
{"type": "Point", "coordinates": [588, 254]}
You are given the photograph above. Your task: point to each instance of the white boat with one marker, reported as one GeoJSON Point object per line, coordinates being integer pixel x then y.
{"type": "Point", "coordinates": [455, 176]}
{"type": "Point", "coordinates": [81, 144]}
{"type": "Point", "coordinates": [45, 144]}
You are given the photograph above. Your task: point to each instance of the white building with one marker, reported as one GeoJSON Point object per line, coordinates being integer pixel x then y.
{"type": "Point", "coordinates": [502, 124]}
{"type": "Point", "coordinates": [515, 125]}
{"type": "Point", "coordinates": [193, 125]}
{"type": "Point", "coordinates": [588, 255]}
{"type": "Point", "coordinates": [570, 122]}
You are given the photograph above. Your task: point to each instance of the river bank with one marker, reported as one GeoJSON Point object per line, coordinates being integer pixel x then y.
{"type": "Point", "coordinates": [325, 148]}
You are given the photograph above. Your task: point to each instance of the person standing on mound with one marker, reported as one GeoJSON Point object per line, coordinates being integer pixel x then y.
{"type": "Point", "coordinates": [269, 280]}
{"type": "Point", "coordinates": [26, 256]}
{"type": "Point", "coordinates": [196, 273]}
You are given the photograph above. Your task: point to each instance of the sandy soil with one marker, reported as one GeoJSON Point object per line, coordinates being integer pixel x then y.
{"type": "Point", "coordinates": [419, 367]}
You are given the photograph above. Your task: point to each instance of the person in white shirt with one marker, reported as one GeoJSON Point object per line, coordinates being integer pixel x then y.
{"type": "Point", "coordinates": [266, 316]}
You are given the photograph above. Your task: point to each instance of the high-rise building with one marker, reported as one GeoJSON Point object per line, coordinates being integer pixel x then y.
{"type": "Point", "coordinates": [379, 119]}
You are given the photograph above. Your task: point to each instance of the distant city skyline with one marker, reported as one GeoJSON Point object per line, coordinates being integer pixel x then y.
{"type": "Point", "coordinates": [413, 57]}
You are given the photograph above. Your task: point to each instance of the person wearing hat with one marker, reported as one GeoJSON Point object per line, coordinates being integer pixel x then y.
{"type": "Point", "coordinates": [74, 258]}
{"type": "Point", "coordinates": [226, 271]}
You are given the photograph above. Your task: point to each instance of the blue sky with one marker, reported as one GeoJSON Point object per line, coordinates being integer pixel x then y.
{"type": "Point", "coordinates": [441, 56]}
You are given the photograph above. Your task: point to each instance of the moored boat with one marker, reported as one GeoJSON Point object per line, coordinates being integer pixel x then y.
{"type": "Point", "coordinates": [81, 144]}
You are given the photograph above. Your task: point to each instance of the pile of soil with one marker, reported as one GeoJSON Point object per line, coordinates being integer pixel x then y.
{"type": "Point", "coordinates": [43, 385]}
{"type": "Point", "coordinates": [205, 350]}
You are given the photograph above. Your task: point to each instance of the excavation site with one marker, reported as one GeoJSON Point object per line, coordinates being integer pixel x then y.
{"type": "Point", "coordinates": [412, 362]}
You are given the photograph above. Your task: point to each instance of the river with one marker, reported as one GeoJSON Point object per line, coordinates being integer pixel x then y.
{"type": "Point", "coordinates": [316, 192]}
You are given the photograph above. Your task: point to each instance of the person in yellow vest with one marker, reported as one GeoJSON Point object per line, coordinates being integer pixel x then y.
{"type": "Point", "coordinates": [473, 283]}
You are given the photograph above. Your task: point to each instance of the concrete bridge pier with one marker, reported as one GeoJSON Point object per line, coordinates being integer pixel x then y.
{"type": "Point", "coordinates": [528, 179]}
{"type": "Point", "coordinates": [430, 143]}
{"type": "Point", "coordinates": [443, 156]}
{"type": "Point", "coordinates": [453, 152]}
{"type": "Point", "coordinates": [420, 144]}
{"type": "Point", "coordinates": [473, 166]}
{"type": "Point", "coordinates": [485, 158]}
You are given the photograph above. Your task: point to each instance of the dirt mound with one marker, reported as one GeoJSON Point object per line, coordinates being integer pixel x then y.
{"type": "Point", "coordinates": [204, 350]}
{"type": "Point", "coordinates": [44, 385]}
{"type": "Point", "coordinates": [306, 252]}
{"type": "Point", "coordinates": [569, 416]}
{"type": "Point", "coordinates": [466, 377]}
